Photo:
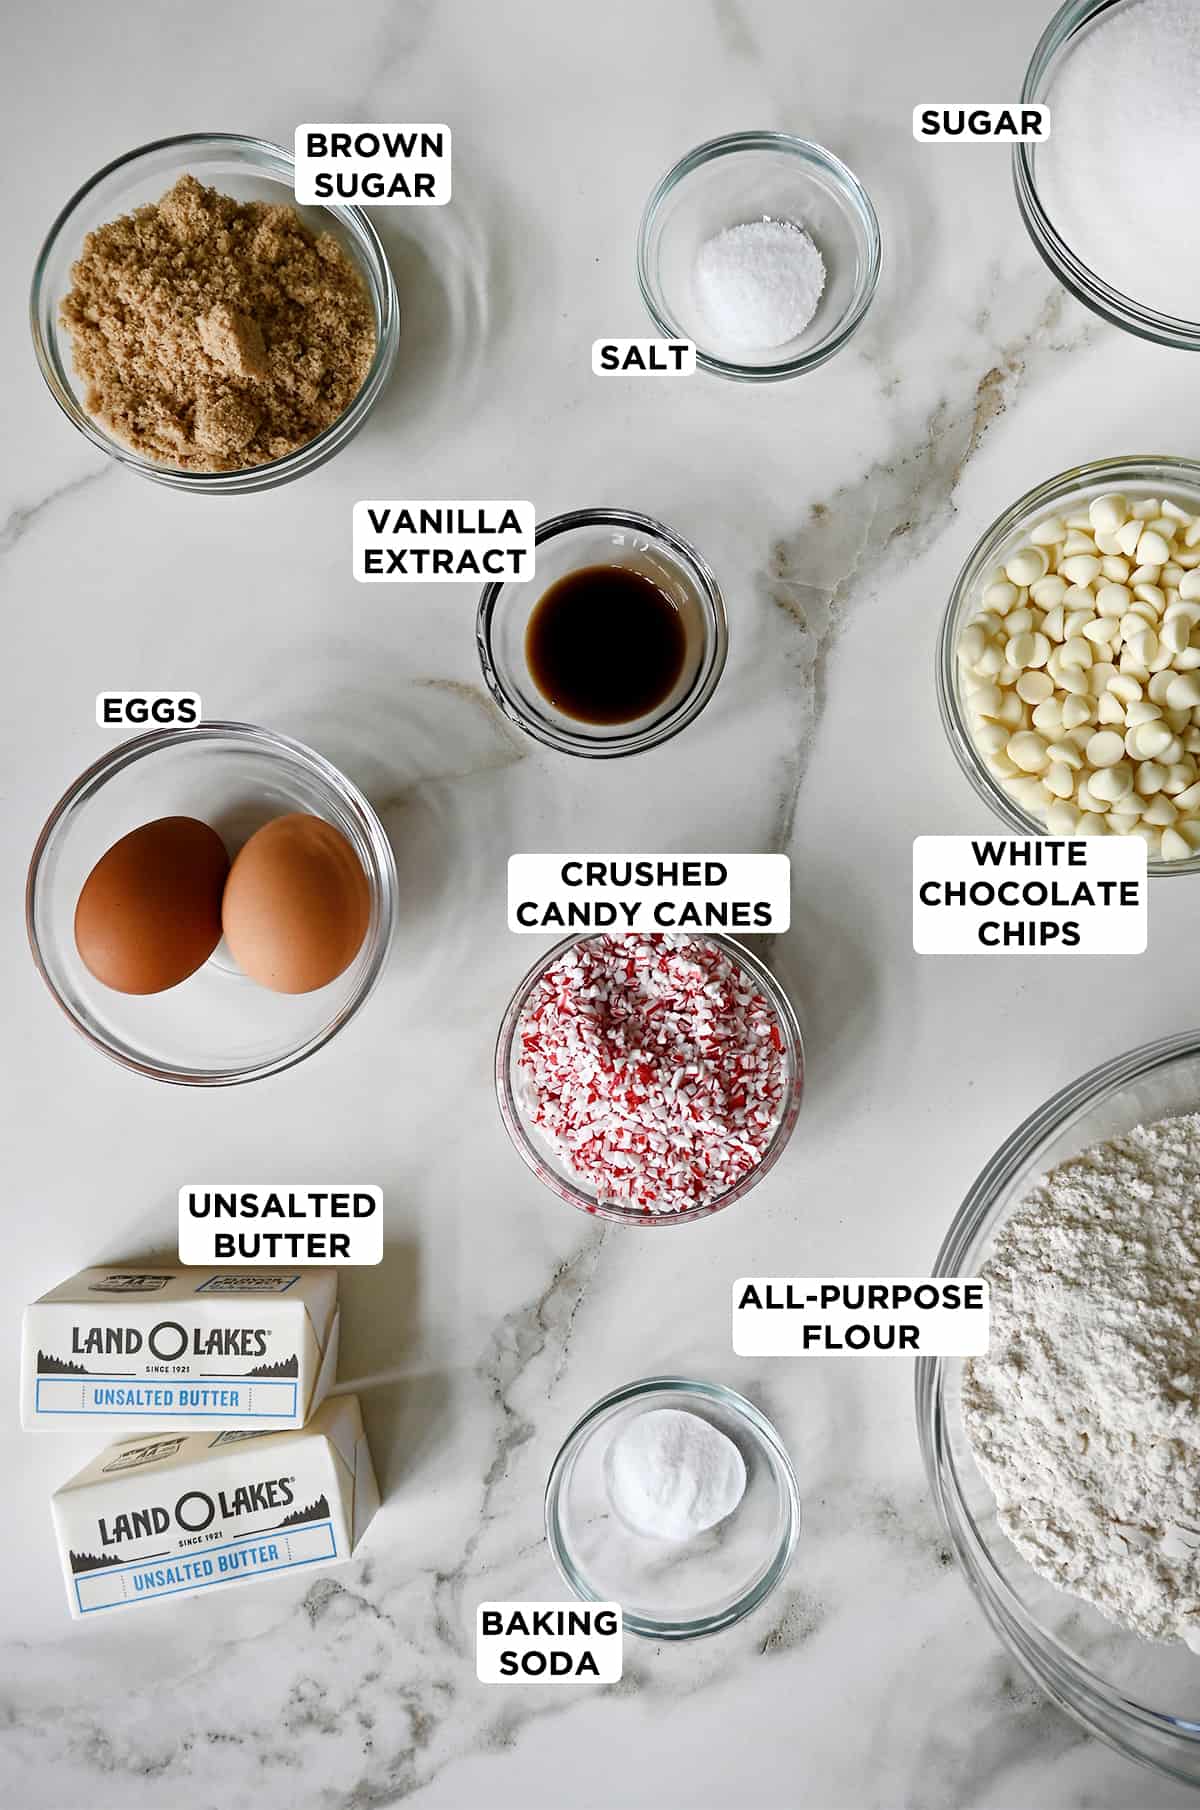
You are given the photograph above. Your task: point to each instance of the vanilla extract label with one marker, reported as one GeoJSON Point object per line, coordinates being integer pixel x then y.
{"type": "Point", "coordinates": [1045, 895]}
{"type": "Point", "coordinates": [639, 893]}
{"type": "Point", "coordinates": [847, 1316]}
{"type": "Point", "coordinates": [443, 542]}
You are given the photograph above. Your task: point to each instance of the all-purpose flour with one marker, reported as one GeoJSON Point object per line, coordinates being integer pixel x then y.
{"type": "Point", "coordinates": [1085, 1415]}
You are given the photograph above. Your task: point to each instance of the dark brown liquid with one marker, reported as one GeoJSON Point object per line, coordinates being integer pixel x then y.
{"type": "Point", "coordinates": [605, 645]}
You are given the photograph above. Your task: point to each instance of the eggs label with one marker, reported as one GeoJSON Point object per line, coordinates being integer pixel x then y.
{"type": "Point", "coordinates": [380, 165]}
{"type": "Point", "coordinates": [134, 709]}
{"type": "Point", "coordinates": [272, 1222]}
{"type": "Point", "coordinates": [443, 543]}
{"type": "Point", "coordinates": [168, 1517]}
{"type": "Point", "coordinates": [179, 1347]}
{"type": "Point", "coordinates": [616, 893]}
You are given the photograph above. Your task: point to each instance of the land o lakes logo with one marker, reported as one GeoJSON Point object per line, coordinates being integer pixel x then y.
{"type": "Point", "coordinates": [194, 1512]}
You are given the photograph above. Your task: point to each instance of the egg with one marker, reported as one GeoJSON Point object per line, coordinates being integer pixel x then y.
{"type": "Point", "coordinates": [296, 905]}
{"type": "Point", "coordinates": [149, 913]}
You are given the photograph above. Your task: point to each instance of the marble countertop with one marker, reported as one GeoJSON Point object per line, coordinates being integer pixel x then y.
{"type": "Point", "coordinates": [836, 510]}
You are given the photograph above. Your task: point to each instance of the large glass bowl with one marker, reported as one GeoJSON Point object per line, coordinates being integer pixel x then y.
{"type": "Point", "coordinates": [216, 1027]}
{"type": "Point", "coordinates": [249, 169]}
{"type": "Point", "coordinates": [1155, 475]}
{"type": "Point", "coordinates": [548, 1165]}
{"type": "Point", "coordinates": [1142, 1697]}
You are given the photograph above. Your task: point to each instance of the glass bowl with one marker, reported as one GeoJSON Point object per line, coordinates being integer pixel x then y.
{"type": "Point", "coordinates": [1156, 475]}
{"type": "Point", "coordinates": [608, 537]}
{"type": "Point", "coordinates": [217, 1027]}
{"type": "Point", "coordinates": [548, 1165]}
{"type": "Point", "coordinates": [249, 169]}
{"type": "Point", "coordinates": [1142, 1697]}
{"type": "Point", "coordinates": [1056, 45]}
{"type": "Point", "coordinates": [668, 1591]}
{"type": "Point", "coordinates": [741, 178]}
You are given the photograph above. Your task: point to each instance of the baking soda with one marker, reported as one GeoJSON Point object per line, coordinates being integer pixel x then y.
{"type": "Point", "coordinates": [672, 1476]}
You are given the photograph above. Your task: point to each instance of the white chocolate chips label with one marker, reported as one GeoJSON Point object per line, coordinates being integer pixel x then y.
{"type": "Point", "coordinates": [616, 893]}
{"type": "Point", "coordinates": [839, 1316]}
{"type": "Point", "coordinates": [996, 895]}
{"type": "Point", "coordinates": [980, 122]}
{"type": "Point", "coordinates": [136, 709]}
{"type": "Point", "coordinates": [643, 357]}
{"type": "Point", "coordinates": [545, 1643]}
{"type": "Point", "coordinates": [375, 165]}
{"type": "Point", "coordinates": [266, 1223]}
{"type": "Point", "coordinates": [446, 543]}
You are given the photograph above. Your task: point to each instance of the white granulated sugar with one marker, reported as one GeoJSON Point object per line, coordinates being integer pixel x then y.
{"type": "Point", "coordinates": [759, 284]}
{"type": "Point", "coordinates": [671, 1475]}
{"type": "Point", "coordinates": [1120, 172]}
{"type": "Point", "coordinates": [1085, 1415]}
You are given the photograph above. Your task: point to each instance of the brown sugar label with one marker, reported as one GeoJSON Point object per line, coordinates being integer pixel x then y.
{"type": "Point", "coordinates": [375, 165]}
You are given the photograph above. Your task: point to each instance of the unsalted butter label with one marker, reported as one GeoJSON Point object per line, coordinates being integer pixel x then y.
{"type": "Point", "coordinates": [643, 357]}
{"type": "Point", "coordinates": [124, 709]}
{"type": "Point", "coordinates": [373, 165]}
{"type": "Point", "coordinates": [980, 122]}
{"type": "Point", "coordinates": [548, 1642]}
{"type": "Point", "coordinates": [809, 1316]}
{"type": "Point", "coordinates": [995, 895]}
{"type": "Point", "coordinates": [443, 543]}
{"type": "Point", "coordinates": [649, 892]}
{"type": "Point", "coordinates": [279, 1222]}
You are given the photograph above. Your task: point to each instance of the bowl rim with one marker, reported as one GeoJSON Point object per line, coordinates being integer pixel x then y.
{"type": "Point", "coordinates": [1130, 469]}
{"type": "Point", "coordinates": [514, 1123]}
{"type": "Point", "coordinates": [383, 885]}
{"type": "Point", "coordinates": [579, 742]}
{"type": "Point", "coordinates": [1083, 283]}
{"type": "Point", "coordinates": [761, 1430]}
{"type": "Point", "coordinates": [276, 161]}
{"type": "Point", "coordinates": [1074, 1687]}
{"type": "Point", "coordinates": [847, 185]}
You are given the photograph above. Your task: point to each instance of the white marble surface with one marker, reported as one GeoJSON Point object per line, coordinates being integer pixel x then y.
{"type": "Point", "coordinates": [836, 511]}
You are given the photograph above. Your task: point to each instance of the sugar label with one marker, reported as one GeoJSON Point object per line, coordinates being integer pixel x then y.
{"type": "Point", "coordinates": [997, 895]}
{"type": "Point", "coordinates": [273, 1222]}
{"type": "Point", "coordinates": [443, 543]}
{"type": "Point", "coordinates": [643, 357]}
{"type": "Point", "coordinates": [841, 1316]}
{"type": "Point", "coordinates": [548, 1642]}
{"type": "Point", "coordinates": [621, 893]}
{"type": "Point", "coordinates": [373, 165]}
{"type": "Point", "coordinates": [980, 122]}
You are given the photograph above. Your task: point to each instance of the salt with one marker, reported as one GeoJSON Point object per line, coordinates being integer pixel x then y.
{"type": "Point", "coordinates": [1120, 173]}
{"type": "Point", "coordinates": [759, 284]}
{"type": "Point", "coordinates": [671, 1475]}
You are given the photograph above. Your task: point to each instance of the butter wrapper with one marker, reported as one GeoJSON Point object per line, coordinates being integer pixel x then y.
{"type": "Point", "coordinates": [173, 1348]}
{"type": "Point", "coordinates": [171, 1515]}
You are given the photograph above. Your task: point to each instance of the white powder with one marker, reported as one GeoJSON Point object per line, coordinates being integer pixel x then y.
{"type": "Point", "coordinates": [1085, 1415]}
{"type": "Point", "coordinates": [1120, 172]}
{"type": "Point", "coordinates": [759, 284]}
{"type": "Point", "coordinates": [671, 1475]}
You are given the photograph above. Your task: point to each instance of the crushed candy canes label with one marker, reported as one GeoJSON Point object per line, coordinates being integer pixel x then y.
{"type": "Point", "coordinates": [838, 1316]}
{"type": "Point", "coordinates": [995, 895]}
{"type": "Point", "coordinates": [643, 358]}
{"type": "Point", "coordinates": [273, 1222]}
{"type": "Point", "coordinates": [621, 893]}
{"type": "Point", "coordinates": [375, 165]}
{"type": "Point", "coordinates": [443, 543]}
{"type": "Point", "coordinates": [548, 1642]}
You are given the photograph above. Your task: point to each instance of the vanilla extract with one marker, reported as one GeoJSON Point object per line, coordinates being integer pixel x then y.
{"type": "Point", "coordinates": [605, 645]}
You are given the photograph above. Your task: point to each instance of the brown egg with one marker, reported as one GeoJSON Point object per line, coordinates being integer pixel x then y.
{"type": "Point", "coordinates": [149, 913]}
{"type": "Point", "coordinates": [296, 905]}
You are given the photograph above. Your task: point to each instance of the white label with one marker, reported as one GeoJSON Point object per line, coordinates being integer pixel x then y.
{"type": "Point", "coordinates": [649, 892]}
{"type": "Point", "coordinates": [269, 1223]}
{"type": "Point", "coordinates": [443, 543]}
{"type": "Point", "coordinates": [125, 709]}
{"type": "Point", "coordinates": [640, 357]}
{"type": "Point", "coordinates": [373, 165]}
{"type": "Point", "coordinates": [997, 895]}
{"type": "Point", "coordinates": [979, 122]}
{"type": "Point", "coordinates": [542, 1643]}
{"type": "Point", "coordinates": [842, 1316]}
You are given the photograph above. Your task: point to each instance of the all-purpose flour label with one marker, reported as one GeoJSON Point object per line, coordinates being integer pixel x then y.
{"type": "Point", "coordinates": [839, 1316]}
{"type": "Point", "coordinates": [991, 895]}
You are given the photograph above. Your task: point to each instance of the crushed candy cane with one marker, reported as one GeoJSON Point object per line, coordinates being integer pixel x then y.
{"type": "Point", "coordinates": [654, 1067]}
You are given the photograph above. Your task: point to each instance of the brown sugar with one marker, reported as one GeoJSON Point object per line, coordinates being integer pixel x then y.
{"type": "Point", "coordinates": [212, 334]}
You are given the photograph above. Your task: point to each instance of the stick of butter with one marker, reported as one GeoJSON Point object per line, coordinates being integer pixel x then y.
{"type": "Point", "coordinates": [168, 1515]}
{"type": "Point", "coordinates": [175, 1348]}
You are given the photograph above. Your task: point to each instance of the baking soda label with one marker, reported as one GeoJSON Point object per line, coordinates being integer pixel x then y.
{"type": "Point", "coordinates": [643, 357]}
{"type": "Point", "coordinates": [547, 1643]}
{"type": "Point", "coordinates": [446, 543]}
{"type": "Point", "coordinates": [622, 893]}
{"type": "Point", "coordinates": [373, 165]}
{"type": "Point", "coordinates": [1029, 895]}
{"type": "Point", "coordinates": [840, 1316]}
{"type": "Point", "coordinates": [980, 122]}
{"type": "Point", "coordinates": [137, 709]}
{"type": "Point", "coordinates": [272, 1222]}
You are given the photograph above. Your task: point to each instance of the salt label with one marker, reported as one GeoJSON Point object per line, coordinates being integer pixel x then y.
{"type": "Point", "coordinates": [373, 165]}
{"type": "Point", "coordinates": [643, 357]}
{"type": "Point", "coordinates": [843, 1316]}
{"type": "Point", "coordinates": [162, 1516]}
{"type": "Point", "coordinates": [622, 893]}
{"type": "Point", "coordinates": [548, 1643]}
{"type": "Point", "coordinates": [1029, 895]}
{"type": "Point", "coordinates": [443, 543]}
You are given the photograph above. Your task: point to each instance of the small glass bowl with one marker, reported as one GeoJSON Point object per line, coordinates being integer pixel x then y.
{"type": "Point", "coordinates": [730, 182]}
{"type": "Point", "coordinates": [249, 169]}
{"type": "Point", "coordinates": [1159, 475]}
{"type": "Point", "coordinates": [217, 1027]}
{"type": "Point", "coordinates": [549, 1166]}
{"type": "Point", "coordinates": [1056, 45]}
{"type": "Point", "coordinates": [1141, 1696]}
{"type": "Point", "coordinates": [604, 537]}
{"type": "Point", "coordinates": [668, 1591]}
